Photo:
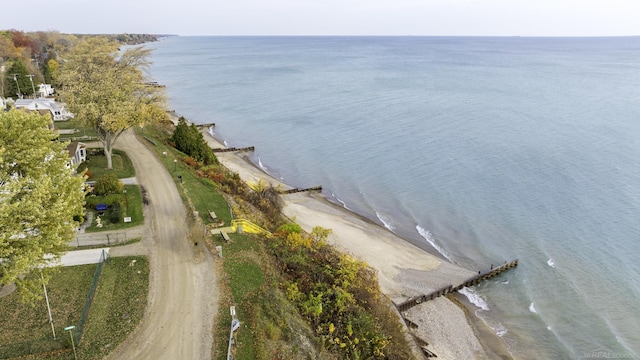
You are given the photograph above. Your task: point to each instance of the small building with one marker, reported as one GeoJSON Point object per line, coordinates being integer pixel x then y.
{"type": "Point", "coordinates": [45, 90]}
{"type": "Point", "coordinates": [77, 154]}
{"type": "Point", "coordinates": [57, 110]}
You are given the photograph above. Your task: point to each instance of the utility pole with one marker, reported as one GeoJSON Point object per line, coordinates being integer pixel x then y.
{"type": "Point", "coordinates": [32, 86]}
{"type": "Point", "coordinates": [15, 78]}
{"type": "Point", "coordinates": [46, 296]}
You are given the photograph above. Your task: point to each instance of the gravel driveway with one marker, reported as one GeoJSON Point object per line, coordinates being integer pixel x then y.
{"type": "Point", "coordinates": [183, 297]}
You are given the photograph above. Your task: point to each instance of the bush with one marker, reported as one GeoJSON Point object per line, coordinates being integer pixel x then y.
{"type": "Point", "coordinates": [289, 228]}
{"type": "Point", "coordinates": [338, 295]}
{"type": "Point", "coordinates": [114, 215]}
{"type": "Point", "coordinates": [110, 200]}
{"type": "Point", "coordinates": [108, 184]}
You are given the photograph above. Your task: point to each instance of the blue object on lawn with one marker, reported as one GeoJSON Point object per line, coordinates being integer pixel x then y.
{"type": "Point", "coordinates": [101, 207]}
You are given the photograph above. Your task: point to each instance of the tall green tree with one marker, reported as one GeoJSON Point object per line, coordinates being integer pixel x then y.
{"type": "Point", "coordinates": [17, 80]}
{"type": "Point", "coordinates": [105, 88]}
{"type": "Point", "coordinates": [190, 141]}
{"type": "Point", "coordinates": [39, 197]}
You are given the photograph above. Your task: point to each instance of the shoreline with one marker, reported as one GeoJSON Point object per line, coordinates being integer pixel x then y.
{"type": "Point", "coordinates": [404, 270]}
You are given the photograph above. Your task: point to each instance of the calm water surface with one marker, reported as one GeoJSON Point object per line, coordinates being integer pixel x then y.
{"type": "Point", "coordinates": [482, 149]}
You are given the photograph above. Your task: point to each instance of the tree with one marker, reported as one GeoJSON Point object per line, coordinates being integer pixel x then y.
{"type": "Point", "coordinates": [105, 88]}
{"type": "Point", "coordinates": [108, 184]}
{"type": "Point", "coordinates": [50, 70]}
{"type": "Point", "coordinates": [19, 73]}
{"type": "Point", "coordinates": [7, 49]}
{"type": "Point", "coordinates": [190, 141]}
{"type": "Point", "coordinates": [39, 197]}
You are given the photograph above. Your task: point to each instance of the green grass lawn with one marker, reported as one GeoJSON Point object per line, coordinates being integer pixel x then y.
{"type": "Point", "coordinates": [84, 133]}
{"type": "Point", "coordinates": [133, 208]}
{"type": "Point", "coordinates": [97, 164]}
{"type": "Point", "coordinates": [67, 125]}
{"type": "Point", "coordinates": [245, 277]}
{"type": "Point", "coordinates": [202, 192]}
{"type": "Point", "coordinates": [27, 328]}
{"type": "Point", "coordinates": [117, 308]}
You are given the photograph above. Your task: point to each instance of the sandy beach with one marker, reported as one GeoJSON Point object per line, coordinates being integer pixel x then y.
{"type": "Point", "coordinates": [403, 269]}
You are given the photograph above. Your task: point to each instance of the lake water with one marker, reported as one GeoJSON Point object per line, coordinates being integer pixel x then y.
{"type": "Point", "coordinates": [482, 149]}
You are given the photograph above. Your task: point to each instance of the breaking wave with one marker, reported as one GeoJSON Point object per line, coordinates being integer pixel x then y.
{"type": "Point", "coordinates": [385, 221]}
{"type": "Point", "coordinates": [432, 241]}
{"type": "Point", "coordinates": [475, 298]}
{"type": "Point", "coordinates": [261, 165]}
{"type": "Point", "coordinates": [551, 263]}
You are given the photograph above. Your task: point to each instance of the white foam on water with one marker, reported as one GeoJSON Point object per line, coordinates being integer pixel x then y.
{"type": "Point", "coordinates": [533, 309]}
{"type": "Point", "coordinates": [475, 298]}
{"type": "Point", "coordinates": [505, 282]}
{"type": "Point", "coordinates": [260, 164]}
{"type": "Point", "coordinates": [500, 330]}
{"type": "Point", "coordinates": [344, 204]}
{"type": "Point", "coordinates": [432, 241]}
{"type": "Point", "coordinates": [551, 263]}
{"type": "Point", "coordinates": [385, 221]}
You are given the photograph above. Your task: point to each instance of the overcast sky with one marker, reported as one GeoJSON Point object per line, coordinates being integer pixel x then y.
{"type": "Point", "coordinates": [329, 17]}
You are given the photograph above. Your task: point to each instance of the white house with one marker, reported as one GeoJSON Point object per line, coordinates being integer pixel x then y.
{"type": "Point", "coordinates": [57, 110]}
{"type": "Point", "coordinates": [77, 154]}
{"type": "Point", "coordinates": [44, 90]}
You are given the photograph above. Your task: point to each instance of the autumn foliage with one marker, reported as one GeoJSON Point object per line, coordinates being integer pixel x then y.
{"type": "Point", "coordinates": [338, 295]}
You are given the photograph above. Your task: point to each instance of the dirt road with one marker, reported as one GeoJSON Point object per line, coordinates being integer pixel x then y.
{"type": "Point", "coordinates": [182, 292]}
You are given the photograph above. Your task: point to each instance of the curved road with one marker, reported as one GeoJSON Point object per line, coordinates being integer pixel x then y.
{"type": "Point", "coordinates": [182, 291]}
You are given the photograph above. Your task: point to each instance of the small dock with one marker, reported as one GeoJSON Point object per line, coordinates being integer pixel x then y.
{"type": "Point", "coordinates": [248, 148]}
{"type": "Point", "coordinates": [297, 190]}
{"type": "Point", "coordinates": [154, 84]}
{"type": "Point", "coordinates": [474, 280]}
{"type": "Point", "coordinates": [206, 126]}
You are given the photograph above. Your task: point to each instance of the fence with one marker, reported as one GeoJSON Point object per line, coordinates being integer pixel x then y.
{"type": "Point", "coordinates": [31, 347]}
{"type": "Point", "coordinates": [104, 257]}
{"type": "Point", "coordinates": [248, 226]}
{"type": "Point", "coordinates": [94, 239]}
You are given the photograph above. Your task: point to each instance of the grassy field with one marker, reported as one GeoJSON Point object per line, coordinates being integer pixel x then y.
{"type": "Point", "coordinates": [25, 327]}
{"type": "Point", "coordinates": [207, 199]}
{"type": "Point", "coordinates": [83, 130]}
{"type": "Point", "coordinates": [117, 308]}
{"type": "Point", "coordinates": [97, 164]}
{"type": "Point", "coordinates": [245, 277]}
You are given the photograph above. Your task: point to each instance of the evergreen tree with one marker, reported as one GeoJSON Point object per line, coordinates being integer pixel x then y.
{"type": "Point", "coordinates": [17, 81]}
{"type": "Point", "coordinates": [190, 141]}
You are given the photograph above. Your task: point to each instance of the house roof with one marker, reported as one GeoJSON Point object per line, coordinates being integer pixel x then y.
{"type": "Point", "coordinates": [73, 147]}
{"type": "Point", "coordinates": [39, 103]}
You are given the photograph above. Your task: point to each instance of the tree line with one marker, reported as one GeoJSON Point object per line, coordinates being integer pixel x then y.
{"type": "Point", "coordinates": [31, 58]}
